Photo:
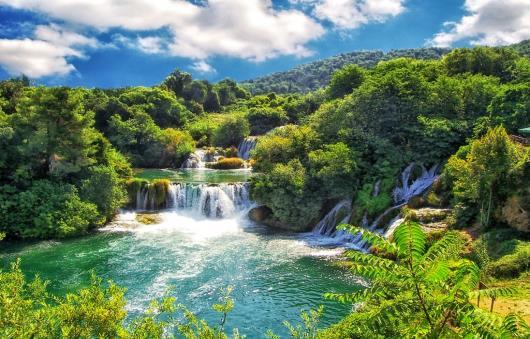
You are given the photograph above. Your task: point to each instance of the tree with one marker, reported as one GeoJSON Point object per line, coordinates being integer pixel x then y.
{"type": "Point", "coordinates": [59, 133]}
{"type": "Point", "coordinates": [263, 119]}
{"type": "Point", "coordinates": [177, 81]}
{"type": "Point", "coordinates": [211, 103]}
{"type": "Point", "coordinates": [345, 80]}
{"type": "Point", "coordinates": [488, 171]}
{"type": "Point", "coordinates": [232, 131]}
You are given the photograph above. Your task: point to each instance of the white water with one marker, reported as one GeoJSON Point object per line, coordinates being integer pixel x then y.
{"type": "Point", "coordinates": [211, 201]}
{"type": "Point", "coordinates": [410, 189]}
{"type": "Point", "coordinates": [327, 227]}
{"type": "Point", "coordinates": [245, 147]}
{"type": "Point", "coordinates": [196, 159]}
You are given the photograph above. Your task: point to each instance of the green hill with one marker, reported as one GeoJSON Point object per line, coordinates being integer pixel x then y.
{"type": "Point", "coordinates": [311, 76]}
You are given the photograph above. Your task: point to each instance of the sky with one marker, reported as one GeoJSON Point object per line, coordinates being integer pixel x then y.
{"type": "Point", "coordinates": [116, 43]}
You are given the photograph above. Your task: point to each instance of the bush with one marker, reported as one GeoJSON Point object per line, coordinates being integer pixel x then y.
{"type": "Point", "coordinates": [47, 210]}
{"type": "Point", "coordinates": [263, 119]}
{"type": "Point", "coordinates": [515, 263]}
{"type": "Point", "coordinates": [232, 131]}
{"type": "Point", "coordinates": [228, 163]}
{"type": "Point", "coordinates": [104, 189]}
{"type": "Point", "coordinates": [178, 146]}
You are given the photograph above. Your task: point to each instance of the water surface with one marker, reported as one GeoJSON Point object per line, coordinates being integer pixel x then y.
{"type": "Point", "coordinates": [274, 275]}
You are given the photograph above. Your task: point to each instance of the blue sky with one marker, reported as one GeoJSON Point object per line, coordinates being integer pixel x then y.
{"type": "Point", "coordinates": [112, 43]}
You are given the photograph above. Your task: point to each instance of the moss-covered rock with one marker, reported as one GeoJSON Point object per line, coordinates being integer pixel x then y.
{"type": "Point", "coordinates": [148, 218]}
{"type": "Point", "coordinates": [227, 163]}
{"type": "Point", "coordinates": [516, 213]}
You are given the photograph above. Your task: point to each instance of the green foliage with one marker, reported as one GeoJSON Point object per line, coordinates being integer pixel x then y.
{"type": "Point", "coordinates": [488, 61]}
{"type": "Point", "coordinates": [232, 131]}
{"type": "Point", "coordinates": [163, 107]}
{"type": "Point", "coordinates": [487, 173]}
{"type": "Point", "coordinates": [263, 119]}
{"type": "Point", "coordinates": [228, 163]}
{"type": "Point", "coordinates": [317, 74]}
{"type": "Point", "coordinates": [345, 80]}
{"type": "Point", "coordinates": [105, 189]}
{"type": "Point", "coordinates": [96, 311]}
{"type": "Point", "coordinates": [284, 191]}
{"type": "Point", "coordinates": [428, 286]}
{"type": "Point", "coordinates": [46, 210]}
{"type": "Point", "coordinates": [334, 168]}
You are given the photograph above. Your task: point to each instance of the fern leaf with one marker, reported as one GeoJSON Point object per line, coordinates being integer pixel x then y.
{"type": "Point", "coordinates": [372, 238]}
{"type": "Point", "coordinates": [411, 240]}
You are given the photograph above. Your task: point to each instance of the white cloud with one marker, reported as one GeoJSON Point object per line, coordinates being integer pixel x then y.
{"type": "Point", "coordinates": [59, 36]}
{"type": "Point", "coordinates": [351, 14]}
{"type": "Point", "coordinates": [35, 58]}
{"type": "Point", "coordinates": [488, 22]}
{"type": "Point", "coordinates": [203, 67]}
{"type": "Point", "coordinates": [249, 29]}
{"type": "Point", "coordinates": [46, 53]}
{"type": "Point", "coordinates": [151, 44]}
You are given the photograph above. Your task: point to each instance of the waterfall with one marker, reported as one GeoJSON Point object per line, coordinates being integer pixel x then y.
{"type": "Point", "coordinates": [245, 147]}
{"type": "Point", "coordinates": [408, 190]}
{"type": "Point", "coordinates": [402, 194]}
{"type": "Point", "coordinates": [212, 201]}
{"type": "Point", "coordinates": [195, 160]}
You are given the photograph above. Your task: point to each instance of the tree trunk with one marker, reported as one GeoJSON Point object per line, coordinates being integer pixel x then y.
{"type": "Point", "coordinates": [492, 303]}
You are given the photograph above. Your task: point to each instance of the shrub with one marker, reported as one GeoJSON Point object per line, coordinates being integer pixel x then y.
{"type": "Point", "coordinates": [515, 263]}
{"type": "Point", "coordinates": [105, 189]}
{"type": "Point", "coordinates": [263, 119]}
{"type": "Point", "coordinates": [232, 131]}
{"type": "Point", "coordinates": [228, 163]}
{"type": "Point", "coordinates": [49, 210]}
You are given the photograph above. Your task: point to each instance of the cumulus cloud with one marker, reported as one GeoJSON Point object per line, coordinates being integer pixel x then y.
{"type": "Point", "coordinates": [46, 53]}
{"type": "Point", "coordinates": [35, 58]}
{"type": "Point", "coordinates": [203, 67]}
{"type": "Point", "coordinates": [249, 29]}
{"type": "Point", "coordinates": [488, 22]}
{"type": "Point", "coordinates": [350, 14]}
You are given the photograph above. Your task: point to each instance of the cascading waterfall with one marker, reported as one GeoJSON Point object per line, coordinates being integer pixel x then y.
{"type": "Point", "coordinates": [211, 201]}
{"type": "Point", "coordinates": [409, 188]}
{"type": "Point", "coordinates": [245, 147]}
{"type": "Point", "coordinates": [195, 160]}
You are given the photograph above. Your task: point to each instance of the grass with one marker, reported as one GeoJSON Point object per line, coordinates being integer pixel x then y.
{"type": "Point", "coordinates": [518, 303]}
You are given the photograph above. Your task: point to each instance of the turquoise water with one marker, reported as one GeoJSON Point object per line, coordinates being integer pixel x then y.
{"type": "Point", "coordinates": [196, 175]}
{"type": "Point", "coordinates": [274, 275]}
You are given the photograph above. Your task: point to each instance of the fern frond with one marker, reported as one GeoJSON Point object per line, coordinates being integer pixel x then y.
{"type": "Point", "coordinates": [372, 238]}
{"type": "Point", "coordinates": [437, 272]}
{"type": "Point", "coordinates": [514, 326]}
{"type": "Point", "coordinates": [410, 240]}
{"type": "Point", "coordinates": [467, 275]}
{"type": "Point", "coordinates": [448, 247]}
{"type": "Point", "coordinates": [494, 292]}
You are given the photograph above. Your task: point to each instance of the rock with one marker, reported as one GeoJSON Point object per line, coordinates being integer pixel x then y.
{"type": "Point", "coordinates": [516, 213]}
{"type": "Point", "coordinates": [416, 202]}
{"type": "Point", "coordinates": [259, 214]}
{"type": "Point", "coordinates": [428, 215]}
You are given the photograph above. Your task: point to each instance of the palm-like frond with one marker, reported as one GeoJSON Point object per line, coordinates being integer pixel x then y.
{"type": "Point", "coordinates": [514, 326]}
{"type": "Point", "coordinates": [371, 238]}
{"type": "Point", "coordinates": [448, 247]}
{"type": "Point", "coordinates": [410, 240]}
{"type": "Point", "coordinates": [494, 292]}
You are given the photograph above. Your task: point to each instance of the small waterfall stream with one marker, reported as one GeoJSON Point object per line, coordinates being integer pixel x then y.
{"type": "Point", "coordinates": [327, 227]}
{"type": "Point", "coordinates": [246, 146]}
{"type": "Point", "coordinates": [202, 200]}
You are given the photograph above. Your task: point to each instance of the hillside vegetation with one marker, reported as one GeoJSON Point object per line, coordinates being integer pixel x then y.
{"type": "Point", "coordinates": [66, 155]}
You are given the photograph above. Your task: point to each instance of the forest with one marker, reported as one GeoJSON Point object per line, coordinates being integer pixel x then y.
{"type": "Point", "coordinates": [343, 128]}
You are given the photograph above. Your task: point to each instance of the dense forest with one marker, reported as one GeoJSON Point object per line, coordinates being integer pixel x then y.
{"type": "Point", "coordinates": [67, 156]}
